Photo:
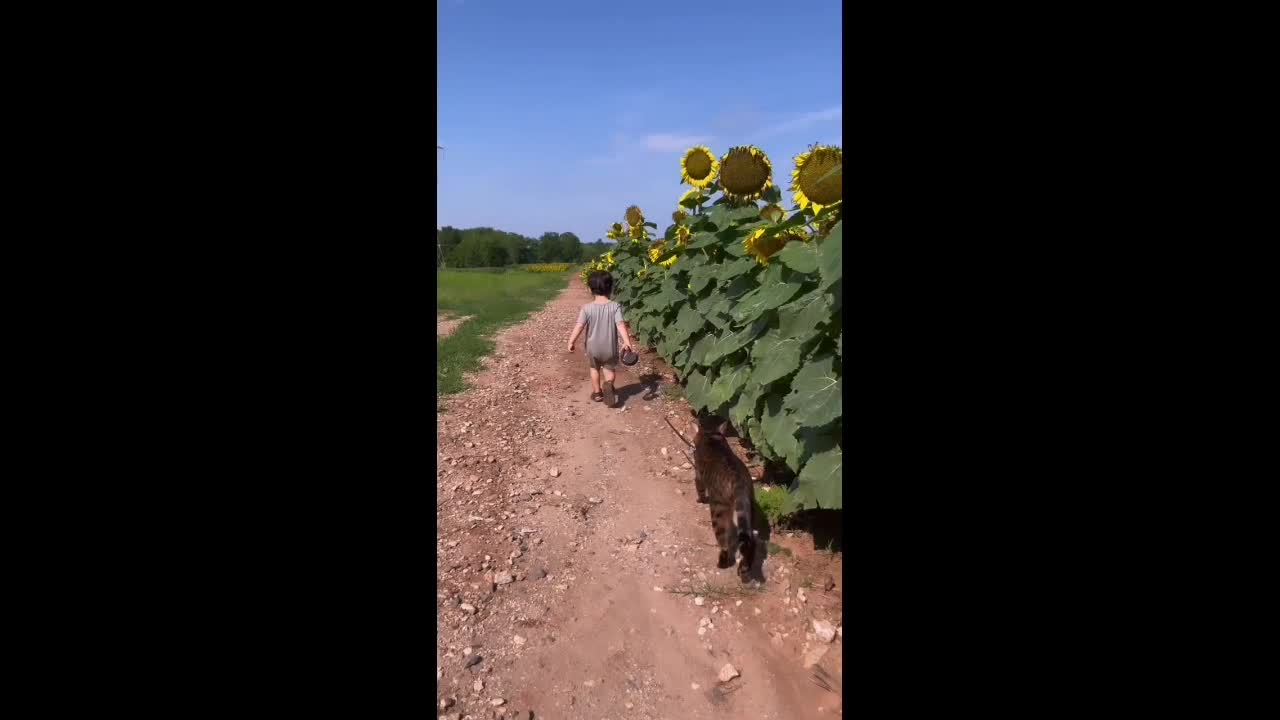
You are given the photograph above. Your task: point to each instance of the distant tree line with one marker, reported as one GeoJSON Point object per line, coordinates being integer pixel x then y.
{"type": "Point", "coordinates": [486, 247]}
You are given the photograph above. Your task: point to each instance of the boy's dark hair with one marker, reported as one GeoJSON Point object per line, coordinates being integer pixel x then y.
{"type": "Point", "coordinates": [601, 283]}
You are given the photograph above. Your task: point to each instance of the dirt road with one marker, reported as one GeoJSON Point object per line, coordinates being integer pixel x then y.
{"type": "Point", "coordinates": [577, 575]}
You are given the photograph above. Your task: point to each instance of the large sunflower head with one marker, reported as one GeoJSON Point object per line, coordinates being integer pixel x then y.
{"type": "Point", "coordinates": [679, 216]}
{"type": "Point", "coordinates": [763, 244]}
{"type": "Point", "coordinates": [814, 182]}
{"type": "Point", "coordinates": [745, 173]}
{"type": "Point", "coordinates": [634, 216]}
{"type": "Point", "coordinates": [773, 213]}
{"type": "Point", "coordinates": [682, 235]}
{"type": "Point", "coordinates": [698, 167]}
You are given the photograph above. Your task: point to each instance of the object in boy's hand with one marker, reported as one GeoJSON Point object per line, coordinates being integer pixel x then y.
{"type": "Point", "coordinates": [629, 358]}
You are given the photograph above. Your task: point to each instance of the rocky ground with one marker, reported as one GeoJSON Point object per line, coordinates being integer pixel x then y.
{"type": "Point", "coordinates": [577, 575]}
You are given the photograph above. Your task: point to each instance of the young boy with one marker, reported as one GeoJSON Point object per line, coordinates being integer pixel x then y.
{"type": "Point", "coordinates": [603, 320]}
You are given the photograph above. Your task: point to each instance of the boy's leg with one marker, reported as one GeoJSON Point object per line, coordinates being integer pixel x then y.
{"type": "Point", "coordinates": [595, 380]}
{"type": "Point", "coordinates": [609, 398]}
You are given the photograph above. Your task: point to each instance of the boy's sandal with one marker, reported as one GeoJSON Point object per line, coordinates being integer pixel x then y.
{"type": "Point", "coordinates": [597, 396]}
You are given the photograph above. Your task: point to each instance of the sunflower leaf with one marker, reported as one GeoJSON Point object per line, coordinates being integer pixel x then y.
{"type": "Point", "coordinates": [688, 322]}
{"type": "Point", "coordinates": [815, 393]}
{"type": "Point", "coordinates": [800, 256]}
{"type": "Point", "coordinates": [727, 385]}
{"type": "Point", "coordinates": [820, 484]}
{"type": "Point", "coordinates": [801, 317]}
{"type": "Point", "coordinates": [772, 195]}
{"type": "Point", "coordinates": [696, 390]}
{"type": "Point", "coordinates": [774, 356]}
{"type": "Point", "coordinates": [779, 427]}
{"type": "Point", "coordinates": [730, 341]}
{"type": "Point", "coordinates": [830, 254]}
{"type": "Point", "coordinates": [745, 407]}
{"type": "Point", "coordinates": [652, 225]}
{"type": "Point", "coordinates": [766, 297]}
{"type": "Point", "coordinates": [703, 239]}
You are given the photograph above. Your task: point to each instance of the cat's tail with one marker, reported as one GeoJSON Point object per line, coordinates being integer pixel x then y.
{"type": "Point", "coordinates": [746, 541]}
{"type": "Point", "coordinates": [677, 432]}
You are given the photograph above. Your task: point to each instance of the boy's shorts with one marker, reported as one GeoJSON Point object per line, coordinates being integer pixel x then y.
{"type": "Point", "coordinates": [594, 364]}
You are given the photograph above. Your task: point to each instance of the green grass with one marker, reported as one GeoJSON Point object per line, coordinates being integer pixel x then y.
{"type": "Point", "coordinates": [493, 300]}
{"type": "Point", "coordinates": [771, 501]}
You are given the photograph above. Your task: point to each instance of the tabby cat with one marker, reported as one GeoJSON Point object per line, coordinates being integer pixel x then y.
{"type": "Point", "coordinates": [723, 482]}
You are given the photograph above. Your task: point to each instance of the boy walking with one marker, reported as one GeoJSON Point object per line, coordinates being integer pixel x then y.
{"type": "Point", "coordinates": [602, 319]}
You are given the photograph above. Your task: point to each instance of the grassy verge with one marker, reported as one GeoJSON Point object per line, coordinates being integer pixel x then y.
{"type": "Point", "coordinates": [493, 300]}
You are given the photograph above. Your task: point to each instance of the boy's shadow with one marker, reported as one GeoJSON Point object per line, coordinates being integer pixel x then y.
{"type": "Point", "coordinates": [647, 384]}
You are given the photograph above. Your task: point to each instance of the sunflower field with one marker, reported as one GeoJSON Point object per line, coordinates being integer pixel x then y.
{"type": "Point", "coordinates": [744, 300]}
{"type": "Point", "coordinates": [549, 267]}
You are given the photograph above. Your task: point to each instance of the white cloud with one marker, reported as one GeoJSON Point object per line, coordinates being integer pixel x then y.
{"type": "Point", "coordinates": [666, 142]}
{"type": "Point", "coordinates": [801, 122]}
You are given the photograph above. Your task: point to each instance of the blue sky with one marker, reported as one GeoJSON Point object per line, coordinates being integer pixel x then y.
{"type": "Point", "coordinates": [556, 115]}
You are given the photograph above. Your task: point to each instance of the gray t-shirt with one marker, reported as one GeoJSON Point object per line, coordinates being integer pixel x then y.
{"type": "Point", "coordinates": [601, 320]}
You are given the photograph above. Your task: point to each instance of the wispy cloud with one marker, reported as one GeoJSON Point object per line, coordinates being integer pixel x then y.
{"type": "Point", "coordinates": [666, 142]}
{"type": "Point", "coordinates": [800, 122]}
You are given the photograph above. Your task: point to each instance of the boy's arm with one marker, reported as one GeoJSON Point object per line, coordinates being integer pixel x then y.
{"type": "Point", "coordinates": [573, 336]}
{"type": "Point", "coordinates": [627, 344]}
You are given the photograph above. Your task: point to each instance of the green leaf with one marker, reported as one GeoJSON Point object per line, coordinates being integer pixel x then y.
{"type": "Point", "coordinates": [829, 256]}
{"type": "Point", "coordinates": [779, 427]}
{"type": "Point", "coordinates": [702, 239]}
{"type": "Point", "coordinates": [697, 390]}
{"type": "Point", "coordinates": [698, 353]}
{"type": "Point", "coordinates": [772, 195]}
{"type": "Point", "coordinates": [737, 215]}
{"type": "Point", "coordinates": [652, 225]}
{"type": "Point", "coordinates": [732, 340]}
{"type": "Point", "coordinates": [700, 277]}
{"type": "Point", "coordinates": [687, 323]}
{"type": "Point", "coordinates": [766, 297]}
{"type": "Point", "coordinates": [667, 296]}
{"type": "Point", "coordinates": [719, 215]}
{"type": "Point", "coordinates": [815, 393]}
{"type": "Point", "coordinates": [800, 256]}
{"type": "Point", "coordinates": [801, 317]}
{"type": "Point", "coordinates": [727, 385]}
{"type": "Point", "coordinates": [820, 484]}
{"type": "Point", "coordinates": [774, 356]}
{"type": "Point", "coordinates": [690, 203]}
{"type": "Point", "coordinates": [745, 407]}
{"type": "Point", "coordinates": [734, 268]}
{"type": "Point", "coordinates": [735, 249]}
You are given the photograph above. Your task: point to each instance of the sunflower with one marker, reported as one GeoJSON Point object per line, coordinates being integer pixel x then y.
{"type": "Point", "coordinates": [813, 181]}
{"type": "Point", "coordinates": [763, 246]}
{"type": "Point", "coordinates": [615, 231]}
{"type": "Point", "coordinates": [682, 235]}
{"type": "Point", "coordinates": [745, 173]}
{"type": "Point", "coordinates": [608, 259]}
{"type": "Point", "coordinates": [634, 216]}
{"type": "Point", "coordinates": [772, 213]}
{"type": "Point", "coordinates": [698, 167]}
{"type": "Point", "coordinates": [679, 216]}
{"type": "Point", "coordinates": [655, 251]}
{"type": "Point", "coordinates": [639, 233]}
{"type": "Point", "coordinates": [695, 195]}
